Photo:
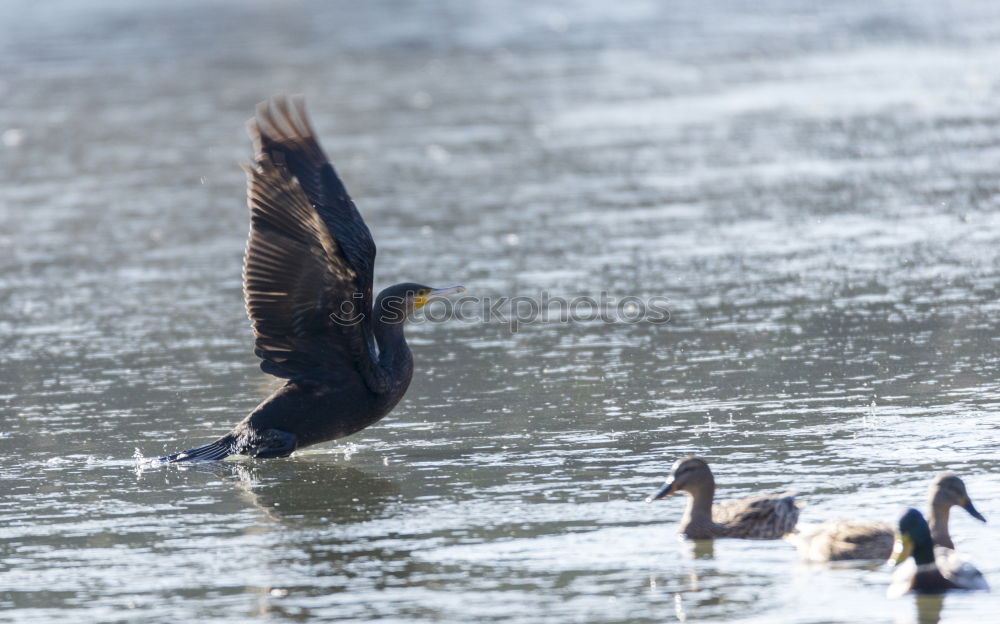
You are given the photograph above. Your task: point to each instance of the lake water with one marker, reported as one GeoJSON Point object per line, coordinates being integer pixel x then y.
{"type": "Point", "coordinates": [814, 187]}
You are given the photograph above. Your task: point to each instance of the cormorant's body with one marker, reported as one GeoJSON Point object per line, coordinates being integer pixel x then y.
{"type": "Point", "coordinates": [301, 413]}
{"type": "Point", "coordinates": [307, 281]}
{"type": "Point", "coordinates": [317, 412]}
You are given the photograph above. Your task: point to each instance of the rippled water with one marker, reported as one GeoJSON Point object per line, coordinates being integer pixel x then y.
{"type": "Point", "coordinates": [814, 188]}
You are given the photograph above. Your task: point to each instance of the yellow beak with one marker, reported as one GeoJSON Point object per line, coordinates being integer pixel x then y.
{"type": "Point", "coordinates": [436, 293]}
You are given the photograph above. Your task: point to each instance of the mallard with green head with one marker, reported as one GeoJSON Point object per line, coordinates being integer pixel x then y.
{"type": "Point", "coordinates": [844, 540]}
{"type": "Point", "coordinates": [919, 569]}
{"type": "Point", "coordinates": [767, 516]}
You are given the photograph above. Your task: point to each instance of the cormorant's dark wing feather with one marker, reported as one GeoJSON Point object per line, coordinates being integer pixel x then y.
{"type": "Point", "coordinates": [294, 278]}
{"type": "Point", "coordinates": [281, 130]}
{"type": "Point", "coordinates": [292, 272]}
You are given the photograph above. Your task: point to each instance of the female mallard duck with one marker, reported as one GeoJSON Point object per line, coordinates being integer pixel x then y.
{"type": "Point", "coordinates": [767, 516]}
{"type": "Point", "coordinates": [927, 572]}
{"type": "Point", "coordinates": [843, 540]}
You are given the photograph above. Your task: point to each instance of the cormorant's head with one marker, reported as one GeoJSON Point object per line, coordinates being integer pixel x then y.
{"type": "Point", "coordinates": [947, 489]}
{"type": "Point", "coordinates": [912, 532]}
{"type": "Point", "coordinates": [688, 473]}
{"type": "Point", "coordinates": [397, 302]}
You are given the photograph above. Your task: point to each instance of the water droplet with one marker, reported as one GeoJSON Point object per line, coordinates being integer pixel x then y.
{"type": "Point", "coordinates": [438, 154]}
{"type": "Point", "coordinates": [12, 137]}
{"type": "Point", "coordinates": [421, 100]}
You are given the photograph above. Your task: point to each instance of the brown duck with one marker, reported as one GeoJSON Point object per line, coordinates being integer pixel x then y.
{"type": "Point", "coordinates": [765, 516]}
{"type": "Point", "coordinates": [843, 540]}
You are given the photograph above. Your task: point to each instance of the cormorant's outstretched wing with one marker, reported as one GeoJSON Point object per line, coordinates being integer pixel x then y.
{"type": "Point", "coordinates": [297, 276]}
{"type": "Point", "coordinates": [282, 131]}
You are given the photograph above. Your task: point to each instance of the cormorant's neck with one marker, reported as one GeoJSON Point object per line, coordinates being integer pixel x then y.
{"type": "Point", "coordinates": [392, 347]}
{"type": "Point", "coordinates": [938, 522]}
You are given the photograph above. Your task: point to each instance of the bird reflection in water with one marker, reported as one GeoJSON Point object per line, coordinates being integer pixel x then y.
{"type": "Point", "coordinates": [679, 608]}
{"type": "Point", "coordinates": [700, 549]}
{"type": "Point", "coordinates": [692, 586]}
{"type": "Point", "coordinates": [308, 493]}
{"type": "Point", "coordinates": [322, 490]}
{"type": "Point", "coordinates": [695, 549]}
{"type": "Point", "coordinates": [310, 506]}
{"type": "Point", "coordinates": [929, 607]}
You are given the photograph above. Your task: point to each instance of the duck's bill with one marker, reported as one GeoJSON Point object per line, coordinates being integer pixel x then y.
{"type": "Point", "coordinates": [446, 292]}
{"type": "Point", "coordinates": [969, 507]}
{"type": "Point", "coordinates": [663, 492]}
{"type": "Point", "coordinates": [901, 549]}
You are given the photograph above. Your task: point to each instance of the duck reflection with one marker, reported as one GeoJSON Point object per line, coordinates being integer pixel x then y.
{"type": "Point", "coordinates": [929, 608]}
{"type": "Point", "coordinates": [700, 549]}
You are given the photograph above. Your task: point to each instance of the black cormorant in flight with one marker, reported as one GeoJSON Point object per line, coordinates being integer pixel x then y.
{"type": "Point", "coordinates": [307, 281]}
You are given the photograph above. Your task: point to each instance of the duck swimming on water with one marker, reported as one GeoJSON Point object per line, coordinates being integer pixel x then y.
{"type": "Point", "coordinates": [765, 516]}
{"type": "Point", "coordinates": [307, 283]}
{"type": "Point", "coordinates": [844, 540]}
{"type": "Point", "coordinates": [922, 570]}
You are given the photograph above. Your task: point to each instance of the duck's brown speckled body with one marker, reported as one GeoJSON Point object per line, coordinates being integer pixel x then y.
{"type": "Point", "coordinates": [845, 540]}
{"type": "Point", "coordinates": [765, 516]}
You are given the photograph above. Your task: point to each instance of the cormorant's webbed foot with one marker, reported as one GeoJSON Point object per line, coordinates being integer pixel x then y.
{"type": "Point", "coordinates": [220, 449]}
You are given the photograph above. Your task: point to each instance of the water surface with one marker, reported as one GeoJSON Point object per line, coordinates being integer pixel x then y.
{"type": "Point", "coordinates": [814, 188]}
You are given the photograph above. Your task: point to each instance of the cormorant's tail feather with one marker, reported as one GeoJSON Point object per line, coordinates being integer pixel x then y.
{"type": "Point", "coordinates": [220, 449]}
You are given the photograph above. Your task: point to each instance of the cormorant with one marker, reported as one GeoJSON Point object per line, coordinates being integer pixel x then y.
{"type": "Point", "coordinates": [307, 283]}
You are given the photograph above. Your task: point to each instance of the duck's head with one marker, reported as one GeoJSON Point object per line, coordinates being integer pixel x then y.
{"type": "Point", "coordinates": [688, 474]}
{"type": "Point", "coordinates": [913, 537]}
{"type": "Point", "coordinates": [947, 490]}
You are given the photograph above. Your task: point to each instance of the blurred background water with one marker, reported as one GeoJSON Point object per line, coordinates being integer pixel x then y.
{"type": "Point", "coordinates": [814, 186]}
